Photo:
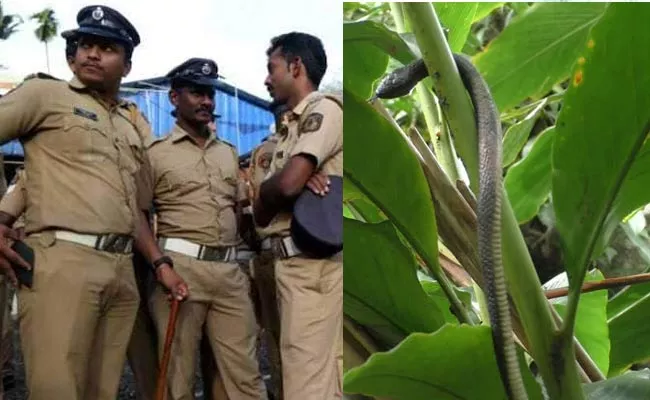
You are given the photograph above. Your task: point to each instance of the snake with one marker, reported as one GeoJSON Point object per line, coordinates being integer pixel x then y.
{"type": "Point", "coordinates": [399, 83]}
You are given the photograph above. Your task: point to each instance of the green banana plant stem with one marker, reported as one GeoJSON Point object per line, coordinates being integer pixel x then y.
{"type": "Point", "coordinates": [554, 358]}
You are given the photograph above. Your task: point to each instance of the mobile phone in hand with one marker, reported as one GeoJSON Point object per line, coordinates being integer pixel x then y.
{"type": "Point", "coordinates": [25, 276]}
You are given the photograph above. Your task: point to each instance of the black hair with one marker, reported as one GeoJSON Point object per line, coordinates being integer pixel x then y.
{"type": "Point", "coordinates": [308, 47]}
{"type": "Point", "coordinates": [128, 52]}
{"type": "Point", "coordinates": [70, 48]}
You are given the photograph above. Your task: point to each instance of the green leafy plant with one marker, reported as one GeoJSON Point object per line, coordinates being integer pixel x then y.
{"type": "Point", "coordinates": [574, 99]}
{"type": "Point", "coordinates": [47, 29]}
{"type": "Point", "coordinates": [9, 24]}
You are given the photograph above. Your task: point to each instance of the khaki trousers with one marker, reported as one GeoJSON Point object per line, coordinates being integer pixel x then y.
{"type": "Point", "coordinates": [219, 300]}
{"type": "Point", "coordinates": [76, 321]}
{"type": "Point", "coordinates": [213, 387]}
{"type": "Point", "coordinates": [263, 271]}
{"type": "Point", "coordinates": [142, 352]}
{"type": "Point", "coordinates": [310, 296]}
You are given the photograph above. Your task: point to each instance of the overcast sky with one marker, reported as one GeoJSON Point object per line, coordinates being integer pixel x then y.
{"type": "Point", "coordinates": [235, 34]}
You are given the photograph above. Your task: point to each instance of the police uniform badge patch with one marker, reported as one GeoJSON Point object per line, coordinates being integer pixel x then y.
{"type": "Point", "coordinates": [312, 123]}
{"type": "Point", "coordinates": [284, 130]}
{"type": "Point", "coordinates": [264, 160]}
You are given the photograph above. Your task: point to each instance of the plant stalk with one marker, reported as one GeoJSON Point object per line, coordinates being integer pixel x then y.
{"type": "Point", "coordinates": [455, 103]}
{"type": "Point", "coordinates": [608, 283]}
{"type": "Point", "coordinates": [438, 131]}
{"type": "Point", "coordinates": [561, 376]}
{"type": "Point", "coordinates": [562, 379]}
{"type": "Point", "coordinates": [591, 370]}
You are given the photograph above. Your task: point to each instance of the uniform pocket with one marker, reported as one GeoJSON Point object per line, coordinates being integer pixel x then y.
{"type": "Point", "coordinates": [134, 154]}
{"type": "Point", "coordinates": [77, 133]}
{"type": "Point", "coordinates": [84, 139]}
{"type": "Point", "coordinates": [184, 178]}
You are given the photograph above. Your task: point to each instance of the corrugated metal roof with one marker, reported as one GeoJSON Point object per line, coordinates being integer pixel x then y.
{"type": "Point", "coordinates": [244, 120]}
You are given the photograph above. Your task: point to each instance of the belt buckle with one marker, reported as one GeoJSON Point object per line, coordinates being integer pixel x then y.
{"type": "Point", "coordinates": [278, 247]}
{"type": "Point", "coordinates": [114, 243]}
{"type": "Point", "coordinates": [207, 253]}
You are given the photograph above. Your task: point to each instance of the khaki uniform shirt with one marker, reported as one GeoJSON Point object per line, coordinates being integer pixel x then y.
{"type": "Point", "coordinates": [260, 165]}
{"type": "Point", "coordinates": [315, 127]}
{"type": "Point", "coordinates": [196, 189]}
{"type": "Point", "coordinates": [14, 201]}
{"type": "Point", "coordinates": [83, 158]}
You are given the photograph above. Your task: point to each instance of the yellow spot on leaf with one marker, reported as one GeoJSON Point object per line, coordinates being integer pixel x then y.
{"type": "Point", "coordinates": [581, 61]}
{"type": "Point", "coordinates": [577, 78]}
{"type": "Point", "coordinates": [591, 43]}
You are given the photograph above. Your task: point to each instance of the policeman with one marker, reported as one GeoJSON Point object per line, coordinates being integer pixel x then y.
{"type": "Point", "coordinates": [86, 187]}
{"type": "Point", "coordinates": [309, 288]}
{"type": "Point", "coordinates": [16, 204]}
{"type": "Point", "coordinates": [262, 155]}
{"type": "Point", "coordinates": [142, 351]}
{"type": "Point", "coordinates": [264, 278]}
{"type": "Point", "coordinates": [213, 388]}
{"type": "Point", "coordinates": [195, 196]}
{"type": "Point", "coordinates": [6, 340]}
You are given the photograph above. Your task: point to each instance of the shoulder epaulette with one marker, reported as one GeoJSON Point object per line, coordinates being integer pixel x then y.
{"type": "Point", "coordinates": [337, 99]}
{"type": "Point", "coordinates": [226, 143]}
{"type": "Point", "coordinates": [152, 140]}
{"type": "Point", "coordinates": [37, 75]}
{"type": "Point", "coordinates": [40, 75]}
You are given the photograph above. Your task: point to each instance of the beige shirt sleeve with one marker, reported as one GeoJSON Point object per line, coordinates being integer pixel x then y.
{"type": "Point", "coordinates": [21, 110]}
{"type": "Point", "coordinates": [144, 178]}
{"type": "Point", "coordinates": [320, 133]}
{"type": "Point", "coordinates": [14, 202]}
{"type": "Point", "coordinates": [242, 186]}
{"type": "Point", "coordinates": [144, 182]}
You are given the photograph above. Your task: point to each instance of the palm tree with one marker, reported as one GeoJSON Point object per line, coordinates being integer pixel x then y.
{"type": "Point", "coordinates": [8, 24]}
{"type": "Point", "coordinates": [48, 27]}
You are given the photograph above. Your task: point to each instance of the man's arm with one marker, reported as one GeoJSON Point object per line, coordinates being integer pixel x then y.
{"type": "Point", "coordinates": [12, 205]}
{"type": "Point", "coordinates": [145, 241]}
{"type": "Point", "coordinates": [22, 109]}
{"type": "Point", "coordinates": [146, 244]}
{"type": "Point", "coordinates": [280, 191]}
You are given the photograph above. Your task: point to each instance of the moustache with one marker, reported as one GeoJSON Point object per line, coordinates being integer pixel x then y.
{"type": "Point", "coordinates": [89, 64]}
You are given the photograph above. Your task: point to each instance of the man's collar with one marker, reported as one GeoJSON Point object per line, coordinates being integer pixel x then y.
{"type": "Point", "coordinates": [178, 134]}
{"type": "Point", "coordinates": [311, 97]}
{"type": "Point", "coordinates": [75, 83]}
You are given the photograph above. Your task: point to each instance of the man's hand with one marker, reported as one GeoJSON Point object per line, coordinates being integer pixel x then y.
{"type": "Point", "coordinates": [172, 282]}
{"type": "Point", "coordinates": [319, 183]}
{"type": "Point", "coordinates": [8, 256]}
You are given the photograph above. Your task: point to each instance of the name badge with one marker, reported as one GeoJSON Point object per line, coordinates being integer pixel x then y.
{"type": "Point", "coordinates": [85, 113]}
